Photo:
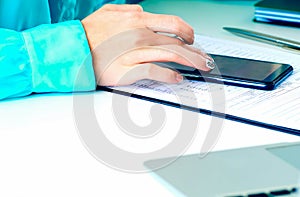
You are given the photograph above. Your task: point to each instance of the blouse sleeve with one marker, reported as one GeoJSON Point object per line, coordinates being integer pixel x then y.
{"type": "Point", "coordinates": [46, 58]}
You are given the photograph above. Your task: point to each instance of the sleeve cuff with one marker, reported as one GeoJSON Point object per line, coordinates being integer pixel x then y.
{"type": "Point", "coordinates": [60, 58]}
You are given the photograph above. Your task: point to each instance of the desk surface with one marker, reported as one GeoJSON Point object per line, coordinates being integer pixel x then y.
{"type": "Point", "coordinates": [209, 16]}
{"type": "Point", "coordinates": [41, 151]}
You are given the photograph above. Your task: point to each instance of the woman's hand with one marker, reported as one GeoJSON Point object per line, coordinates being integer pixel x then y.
{"type": "Point", "coordinates": [125, 41]}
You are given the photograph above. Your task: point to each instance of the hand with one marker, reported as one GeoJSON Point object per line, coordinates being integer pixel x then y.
{"type": "Point", "coordinates": [125, 43]}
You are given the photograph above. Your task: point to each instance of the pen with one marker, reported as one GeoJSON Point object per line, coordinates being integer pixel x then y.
{"type": "Point", "coordinates": [285, 43]}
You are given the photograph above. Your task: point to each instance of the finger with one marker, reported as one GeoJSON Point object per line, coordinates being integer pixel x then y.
{"type": "Point", "coordinates": [155, 72]}
{"type": "Point", "coordinates": [158, 39]}
{"type": "Point", "coordinates": [180, 42]}
{"type": "Point", "coordinates": [122, 8]}
{"type": "Point", "coordinates": [139, 38]}
{"type": "Point", "coordinates": [196, 58]}
{"type": "Point", "coordinates": [169, 24]}
{"type": "Point", "coordinates": [134, 38]}
{"type": "Point", "coordinates": [142, 37]}
{"type": "Point", "coordinates": [116, 72]}
{"type": "Point", "coordinates": [165, 53]}
{"type": "Point", "coordinates": [129, 75]}
{"type": "Point", "coordinates": [198, 51]}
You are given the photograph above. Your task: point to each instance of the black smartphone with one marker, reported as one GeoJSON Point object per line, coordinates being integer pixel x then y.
{"type": "Point", "coordinates": [238, 71]}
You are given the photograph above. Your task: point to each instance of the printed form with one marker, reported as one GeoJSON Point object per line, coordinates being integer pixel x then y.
{"type": "Point", "coordinates": [279, 107]}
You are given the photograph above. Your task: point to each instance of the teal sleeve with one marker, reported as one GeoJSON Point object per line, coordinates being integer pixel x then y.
{"type": "Point", "coordinates": [47, 58]}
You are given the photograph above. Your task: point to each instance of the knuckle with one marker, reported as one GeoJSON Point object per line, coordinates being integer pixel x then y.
{"type": "Point", "coordinates": [107, 6]}
{"type": "Point", "coordinates": [176, 21]}
{"type": "Point", "coordinates": [133, 15]}
{"type": "Point", "coordinates": [149, 70]}
{"type": "Point", "coordinates": [139, 42]}
{"type": "Point", "coordinates": [143, 37]}
{"type": "Point", "coordinates": [192, 31]}
{"type": "Point", "coordinates": [138, 7]}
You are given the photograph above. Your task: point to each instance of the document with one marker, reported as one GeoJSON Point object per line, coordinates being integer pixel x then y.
{"type": "Point", "coordinates": [277, 109]}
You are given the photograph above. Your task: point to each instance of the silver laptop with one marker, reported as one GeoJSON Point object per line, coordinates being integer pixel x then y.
{"type": "Point", "coordinates": [262, 171]}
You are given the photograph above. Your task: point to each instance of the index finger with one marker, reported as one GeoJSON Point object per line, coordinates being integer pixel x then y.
{"type": "Point", "coordinates": [169, 24]}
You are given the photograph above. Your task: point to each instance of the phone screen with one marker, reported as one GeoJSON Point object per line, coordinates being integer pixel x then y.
{"type": "Point", "coordinates": [243, 68]}
{"type": "Point", "coordinates": [238, 71]}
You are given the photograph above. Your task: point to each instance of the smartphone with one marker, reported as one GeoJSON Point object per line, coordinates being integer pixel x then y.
{"type": "Point", "coordinates": [238, 72]}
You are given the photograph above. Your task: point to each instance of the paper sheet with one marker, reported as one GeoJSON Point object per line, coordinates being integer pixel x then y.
{"type": "Point", "coordinates": [279, 107]}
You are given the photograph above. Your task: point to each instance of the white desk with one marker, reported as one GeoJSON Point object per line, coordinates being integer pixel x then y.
{"type": "Point", "coordinates": [209, 16]}
{"type": "Point", "coordinates": [42, 154]}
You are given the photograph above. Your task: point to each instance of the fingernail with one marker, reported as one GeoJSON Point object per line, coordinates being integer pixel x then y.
{"type": "Point", "coordinates": [210, 64]}
{"type": "Point", "coordinates": [179, 78]}
{"type": "Point", "coordinates": [208, 57]}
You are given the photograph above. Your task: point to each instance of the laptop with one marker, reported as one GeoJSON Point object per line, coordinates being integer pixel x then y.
{"type": "Point", "coordinates": [261, 171]}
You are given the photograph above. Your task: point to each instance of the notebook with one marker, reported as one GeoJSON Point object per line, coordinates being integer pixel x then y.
{"type": "Point", "coordinates": [283, 12]}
